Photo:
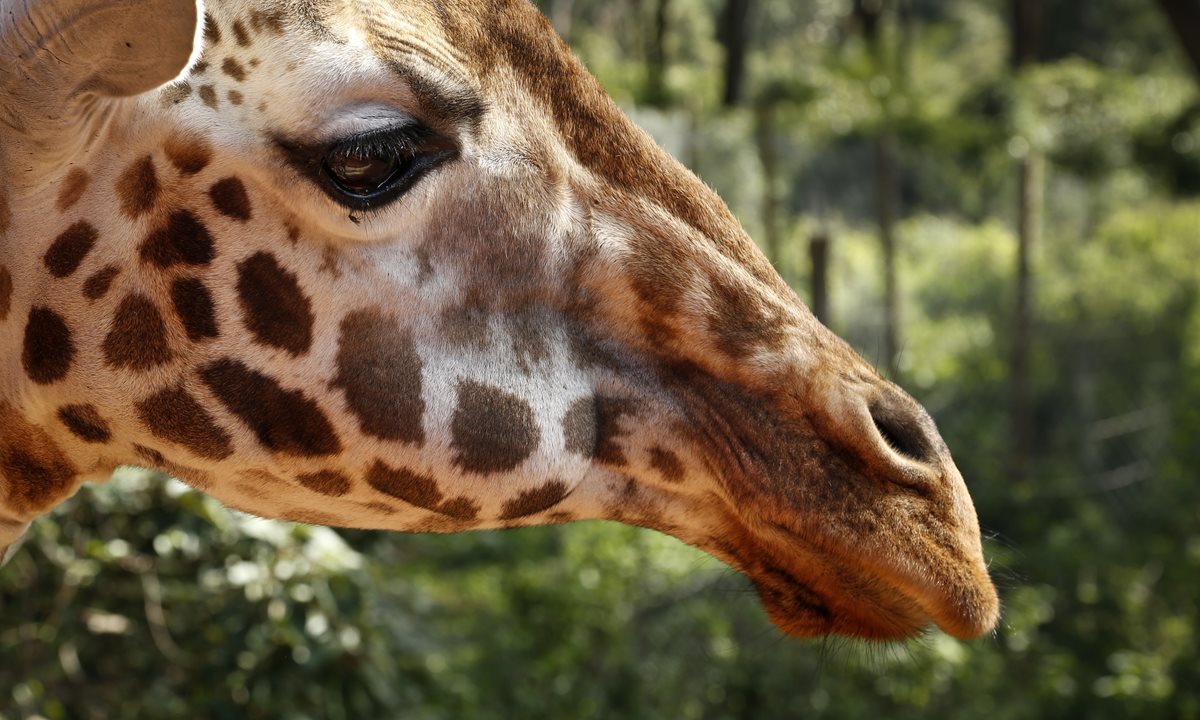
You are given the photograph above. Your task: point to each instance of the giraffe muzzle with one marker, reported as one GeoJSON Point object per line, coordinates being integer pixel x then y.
{"type": "Point", "coordinates": [859, 523]}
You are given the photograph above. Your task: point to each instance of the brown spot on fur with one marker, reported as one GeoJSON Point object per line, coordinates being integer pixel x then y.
{"type": "Point", "coordinates": [261, 485]}
{"type": "Point", "coordinates": [311, 517]}
{"type": "Point", "coordinates": [35, 474]}
{"type": "Point", "coordinates": [85, 422]}
{"type": "Point", "coordinates": [150, 455]}
{"type": "Point", "coordinates": [740, 320]}
{"type": "Point", "coordinates": [176, 93]}
{"type": "Point", "coordinates": [175, 416]}
{"type": "Point", "coordinates": [69, 249]}
{"type": "Point", "coordinates": [443, 524]}
{"type": "Point", "coordinates": [529, 341]}
{"type": "Point", "coordinates": [419, 490]}
{"type": "Point", "coordinates": [235, 97]}
{"type": "Point", "coordinates": [380, 371]}
{"type": "Point", "coordinates": [6, 291]}
{"type": "Point", "coordinates": [667, 464]}
{"type": "Point", "coordinates": [284, 421]}
{"type": "Point", "coordinates": [658, 333]}
{"type": "Point", "coordinates": [137, 338]}
{"type": "Point", "coordinates": [183, 240]}
{"type": "Point", "coordinates": [73, 187]}
{"type": "Point", "coordinates": [98, 285]}
{"type": "Point", "coordinates": [198, 479]}
{"type": "Point", "coordinates": [462, 508]}
{"type": "Point", "coordinates": [194, 306]}
{"type": "Point", "coordinates": [229, 198]}
{"type": "Point", "coordinates": [274, 307]}
{"type": "Point", "coordinates": [465, 327]}
{"type": "Point", "coordinates": [250, 490]}
{"type": "Point", "coordinates": [330, 262]}
{"type": "Point", "coordinates": [156, 460]}
{"type": "Point", "coordinates": [188, 153]}
{"type": "Point", "coordinates": [609, 412]}
{"type": "Point", "coordinates": [5, 213]}
{"type": "Point", "coordinates": [658, 265]}
{"type": "Point", "coordinates": [200, 68]}
{"type": "Point", "coordinates": [212, 31]}
{"type": "Point", "coordinates": [208, 95]}
{"type": "Point", "coordinates": [138, 188]}
{"type": "Point", "coordinates": [404, 484]}
{"type": "Point", "coordinates": [240, 34]}
{"type": "Point", "coordinates": [270, 21]}
{"type": "Point", "coordinates": [592, 427]}
{"type": "Point", "coordinates": [492, 430]}
{"type": "Point", "coordinates": [588, 352]}
{"type": "Point", "coordinates": [326, 482]}
{"type": "Point", "coordinates": [536, 500]}
{"type": "Point", "coordinates": [48, 349]}
{"type": "Point", "coordinates": [579, 427]}
{"type": "Point", "coordinates": [233, 69]}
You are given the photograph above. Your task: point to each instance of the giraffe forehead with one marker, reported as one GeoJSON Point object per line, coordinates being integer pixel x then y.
{"type": "Point", "coordinates": [298, 64]}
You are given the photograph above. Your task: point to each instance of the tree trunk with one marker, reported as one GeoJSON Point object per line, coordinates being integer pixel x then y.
{"type": "Point", "coordinates": [1026, 40]}
{"type": "Point", "coordinates": [1026, 32]}
{"type": "Point", "coordinates": [561, 13]}
{"type": "Point", "coordinates": [656, 55]}
{"type": "Point", "coordinates": [868, 13]}
{"type": "Point", "coordinates": [1029, 232]}
{"type": "Point", "coordinates": [869, 16]}
{"type": "Point", "coordinates": [885, 196]}
{"type": "Point", "coordinates": [768, 156]}
{"type": "Point", "coordinates": [733, 34]}
{"type": "Point", "coordinates": [818, 255]}
{"type": "Point", "coordinates": [1184, 16]}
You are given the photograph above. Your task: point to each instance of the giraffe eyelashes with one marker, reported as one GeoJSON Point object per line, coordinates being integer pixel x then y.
{"type": "Point", "coordinates": [373, 169]}
{"type": "Point", "coordinates": [370, 170]}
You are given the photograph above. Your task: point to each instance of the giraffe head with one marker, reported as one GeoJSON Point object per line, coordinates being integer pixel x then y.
{"type": "Point", "coordinates": [402, 264]}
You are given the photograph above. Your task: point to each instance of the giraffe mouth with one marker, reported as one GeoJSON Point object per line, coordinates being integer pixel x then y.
{"type": "Point", "coordinates": [839, 592]}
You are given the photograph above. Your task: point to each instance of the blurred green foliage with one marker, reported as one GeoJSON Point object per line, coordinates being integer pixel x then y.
{"type": "Point", "coordinates": [142, 599]}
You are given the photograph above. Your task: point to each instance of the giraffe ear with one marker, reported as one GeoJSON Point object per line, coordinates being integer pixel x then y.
{"type": "Point", "coordinates": [58, 51]}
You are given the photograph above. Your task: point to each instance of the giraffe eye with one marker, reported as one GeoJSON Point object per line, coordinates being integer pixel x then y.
{"type": "Point", "coordinates": [371, 170]}
{"type": "Point", "coordinates": [363, 175]}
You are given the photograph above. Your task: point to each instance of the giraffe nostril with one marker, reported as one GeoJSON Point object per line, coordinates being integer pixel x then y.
{"type": "Point", "coordinates": [904, 431]}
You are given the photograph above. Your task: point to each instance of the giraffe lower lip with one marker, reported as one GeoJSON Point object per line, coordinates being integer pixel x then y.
{"type": "Point", "coordinates": [796, 615]}
{"type": "Point", "coordinates": [902, 605]}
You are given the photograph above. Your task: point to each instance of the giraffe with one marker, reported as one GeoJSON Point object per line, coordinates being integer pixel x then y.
{"type": "Point", "coordinates": [402, 264]}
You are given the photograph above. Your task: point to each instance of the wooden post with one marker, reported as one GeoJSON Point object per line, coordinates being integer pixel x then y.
{"type": "Point", "coordinates": [818, 255]}
{"type": "Point", "coordinates": [1026, 39]}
